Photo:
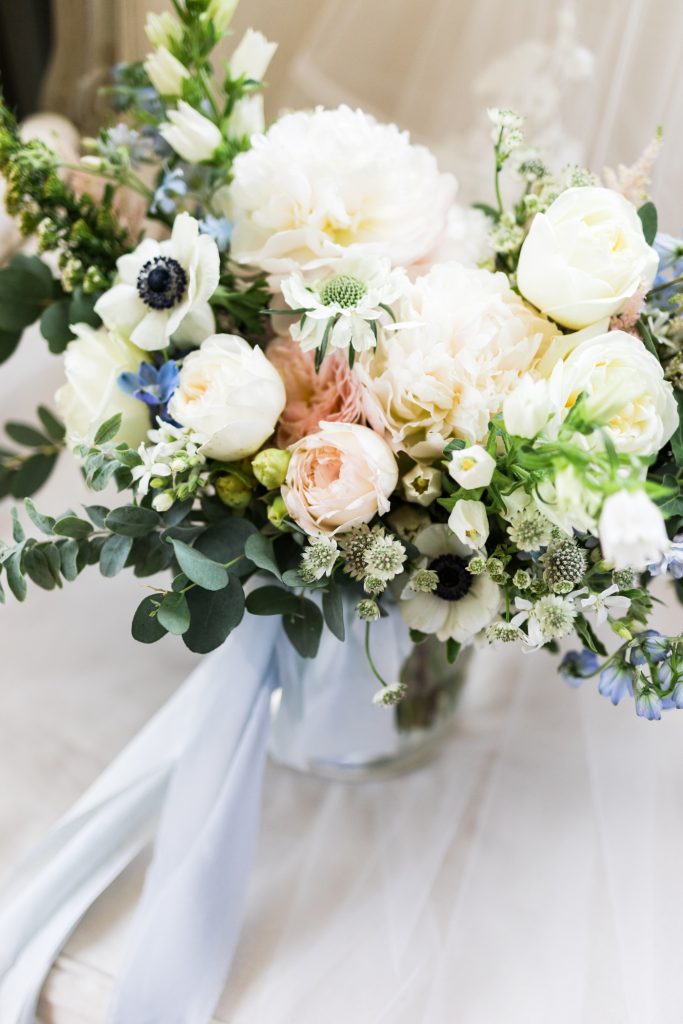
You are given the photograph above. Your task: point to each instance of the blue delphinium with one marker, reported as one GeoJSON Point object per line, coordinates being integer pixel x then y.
{"type": "Point", "coordinates": [672, 563]}
{"type": "Point", "coordinates": [648, 705]}
{"type": "Point", "coordinates": [171, 188]}
{"type": "Point", "coordinates": [649, 645]}
{"type": "Point", "coordinates": [152, 385]}
{"type": "Point", "coordinates": [577, 666]}
{"type": "Point", "coordinates": [616, 682]}
{"type": "Point", "coordinates": [219, 228]}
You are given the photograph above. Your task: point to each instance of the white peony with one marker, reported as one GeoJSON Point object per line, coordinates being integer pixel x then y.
{"type": "Point", "coordinates": [465, 340]}
{"type": "Point", "coordinates": [165, 72]}
{"type": "Point", "coordinates": [319, 182]}
{"type": "Point", "coordinates": [632, 531]}
{"type": "Point", "coordinates": [93, 363]}
{"type": "Point", "coordinates": [625, 388]}
{"type": "Point", "coordinates": [338, 478]}
{"type": "Point", "coordinates": [229, 393]}
{"type": "Point", "coordinates": [585, 257]}
{"type": "Point", "coordinates": [163, 289]}
{"type": "Point", "coordinates": [462, 604]}
{"type": "Point", "coordinates": [194, 137]}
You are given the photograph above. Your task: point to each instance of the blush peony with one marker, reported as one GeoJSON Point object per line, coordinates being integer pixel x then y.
{"type": "Point", "coordinates": [319, 182]}
{"type": "Point", "coordinates": [332, 394]}
{"type": "Point", "coordinates": [464, 341]}
{"type": "Point", "coordinates": [339, 478]}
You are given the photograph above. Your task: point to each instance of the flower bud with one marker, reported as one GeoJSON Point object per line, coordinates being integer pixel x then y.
{"type": "Point", "coordinates": [232, 491]}
{"type": "Point", "coordinates": [277, 512]}
{"type": "Point", "coordinates": [270, 467]}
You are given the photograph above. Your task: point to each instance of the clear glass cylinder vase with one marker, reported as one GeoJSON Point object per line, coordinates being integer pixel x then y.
{"type": "Point", "coordinates": [324, 720]}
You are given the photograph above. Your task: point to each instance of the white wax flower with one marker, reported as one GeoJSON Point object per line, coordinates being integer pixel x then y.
{"type": "Point", "coordinates": [230, 394]}
{"type": "Point", "coordinates": [162, 289]}
{"type": "Point", "coordinates": [585, 257]}
{"type": "Point", "coordinates": [194, 137]}
{"type": "Point", "coordinates": [93, 362]}
{"type": "Point", "coordinates": [469, 523]}
{"type": "Point", "coordinates": [632, 531]}
{"type": "Point", "coordinates": [320, 182]}
{"type": "Point", "coordinates": [338, 478]}
{"type": "Point", "coordinates": [465, 339]}
{"type": "Point", "coordinates": [471, 467]}
{"type": "Point", "coordinates": [165, 72]}
{"type": "Point", "coordinates": [252, 56]}
{"type": "Point", "coordinates": [462, 605]}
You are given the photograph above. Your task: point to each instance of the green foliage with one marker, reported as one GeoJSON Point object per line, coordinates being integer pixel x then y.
{"type": "Point", "coordinates": [304, 628]}
{"type": "Point", "coordinates": [213, 616]}
{"type": "Point", "coordinates": [648, 218]}
{"type": "Point", "coordinates": [333, 610]}
{"type": "Point", "coordinates": [132, 520]}
{"type": "Point", "coordinates": [24, 473]}
{"type": "Point", "coordinates": [198, 568]}
{"type": "Point", "coordinates": [260, 550]}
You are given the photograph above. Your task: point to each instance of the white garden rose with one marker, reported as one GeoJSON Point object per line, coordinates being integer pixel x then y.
{"type": "Point", "coordinates": [625, 388]}
{"type": "Point", "coordinates": [338, 478]}
{"type": "Point", "coordinates": [585, 257]}
{"type": "Point", "coordinates": [93, 363]}
{"type": "Point", "coordinates": [319, 182]}
{"type": "Point", "coordinates": [230, 394]}
{"type": "Point", "coordinates": [632, 531]}
{"type": "Point", "coordinates": [465, 340]}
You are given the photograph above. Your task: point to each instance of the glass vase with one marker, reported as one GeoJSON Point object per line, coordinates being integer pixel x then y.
{"type": "Point", "coordinates": [324, 721]}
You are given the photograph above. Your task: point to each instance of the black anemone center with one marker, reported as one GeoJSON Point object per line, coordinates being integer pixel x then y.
{"type": "Point", "coordinates": [161, 282]}
{"type": "Point", "coordinates": [454, 579]}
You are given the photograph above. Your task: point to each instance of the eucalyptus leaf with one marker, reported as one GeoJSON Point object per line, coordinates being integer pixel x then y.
{"type": "Point", "coordinates": [114, 554]}
{"type": "Point", "coordinates": [108, 430]}
{"type": "Point", "coordinates": [146, 628]}
{"type": "Point", "coordinates": [132, 520]}
{"type": "Point", "coordinates": [72, 526]}
{"type": "Point", "coordinates": [174, 614]}
{"type": "Point", "coordinates": [648, 218]}
{"type": "Point", "coordinates": [272, 601]}
{"type": "Point", "coordinates": [333, 610]}
{"type": "Point", "coordinates": [44, 523]}
{"type": "Point", "coordinates": [304, 628]}
{"type": "Point", "coordinates": [260, 551]}
{"type": "Point", "coordinates": [213, 616]}
{"type": "Point", "coordinates": [197, 567]}
{"type": "Point", "coordinates": [68, 556]}
{"type": "Point", "coordinates": [32, 474]}
{"type": "Point", "coordinates": [26, 435]}
{"type": "Point", "coordinates": [54, 326]}
{"type": "Point", "coordinates": [53, 428]}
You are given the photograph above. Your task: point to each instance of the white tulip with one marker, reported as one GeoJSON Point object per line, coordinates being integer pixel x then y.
{"type": "Point", "coordinates": [632, 531]}
{"type": "Point", "coordinates": [585, 257]}
{"type": "Point", "coordinates": [471, 467]}
{"type": "Point", "coordinates": [165, 72]}
{"type": "Point", "coordinates": [190, 134]}
{"type": "Point", "coordinates": [252, 56]}
{"type": "Point", "coordinates": [469, 523]}
{"type": "Point", "coordinates": [93, 363]}
{"type": "Point", "coordinates": [229, 393]}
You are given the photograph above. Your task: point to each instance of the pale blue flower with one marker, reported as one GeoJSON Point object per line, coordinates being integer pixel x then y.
{"type": "Point", "coordinates": [648, 705]}
{"type": "Point", "coordinates": [577, 666]}
{"type": "Point", "coordinates": [616, 682]}
{"type": "Point", "coordinates": [649, 645]}
{"type": "Point", "coordinates": [172, 187]}
{"type": "Point", "coordinates": [219, 228]}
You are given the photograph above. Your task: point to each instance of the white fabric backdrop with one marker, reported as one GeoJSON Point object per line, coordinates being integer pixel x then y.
{"type": "Point", "coordinates": [529, 875]}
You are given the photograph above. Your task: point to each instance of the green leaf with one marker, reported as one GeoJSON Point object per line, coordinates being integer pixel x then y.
{"type": "Point", "coordinates": [32, 474]}
{"type": "Point", "coordinates": [53, 428]}
{"type": "Point", "coordinates": [305, 628]}
{"type": "Point", "coordinates": [225, 541]}
{"type": "Point", "coordinates": [44, 523]}
{"type": "Point", "coordinates": [677, 439]}
{"type": "Point", "coordinates": [454, 445]}
{"type": "Point", "coordinates": [114, 554]}
{"type": "Point", "coordinates": [260, 551]}
{"type": "Point", "coordinates": [146, 629]}
{"type": "Point", "coordinates": [15, 579]}
{"type": "Point", "coordinates": [587, 636]}
{"type": "Point", "coordinates": [73, 526]}
{"type": "Point", "coordinates": [82, 309]}
{"type": "Point", "coordinates": [333, 610]}
{"type": "Point", "coordinates": [646, 335]}
{"type": "Point", "coordinates": [417, 637]}
{"type": "Point", "coordinates": [17, 529]}
{"type": "Point", "coordinates": [197, 567]}
{"type": "Point", "coordinates": [68, 557]}
{"type": "Point", "coordinates": [98, 514]}
{"type": "Point", "coordinates": [26, 286]}
{"type": "Point", "coordinates": [37, 567]}
{"type": "Point", "coordinates": [213, 616]}
{"type": "Point", "coordinates": [24, 434]}
{"type": "Point", "coordinates": [8, 343]}
{"type": "Point", "coordinates": [54, 326]}
{"type": "Point", "coordinates": [174, 614]}
{"type": "Point", "coordinates": [132, 520]}
{"type": "Point", "coordinates": [150, 555]}
{"type": "Point", "coordinates": [108, 430]}
{"type": "Point", "coordinates": [272, 601]}
{"type": "Point", "coordinates": [648, 218]}
{"type": "Point", "coordinates": [452, 650]}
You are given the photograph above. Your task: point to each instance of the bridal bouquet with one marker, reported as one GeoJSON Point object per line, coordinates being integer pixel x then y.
{"type": "Point", "coordinates": [301, 361]}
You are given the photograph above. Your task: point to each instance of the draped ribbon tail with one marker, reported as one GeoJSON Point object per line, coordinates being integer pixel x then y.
{"type": "Point", "coordinates": [187, 924]}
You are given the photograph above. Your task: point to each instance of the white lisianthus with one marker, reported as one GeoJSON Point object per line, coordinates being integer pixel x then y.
{"type": "Point", "coordinates": [465, 340]}
{"type": "Point", "coordinates": [632, 531]}
{"type": "Point", "coordinates": [471, 467]}
{"type": "Point", "coordinates": [163, 29]}
{"type": "Point", "coordinates": [421, 485]}
{"type": "Point", "coordinates": [461, 605]}
{"type": "Point", "coordinates": [353, 298]}
{"type": "Point", "coordinates": [309, 188]}
{"type": "Point", "coordinates": [165, 72]}
{"type": "Point", "coordinates": [625, 389]}
{"type": "Point", "coordinates": [469, 523]}
{"type": "Point", "coordinates": [229, 393]}
{"type": "Point", "coordinates": [339, 478]}
{"type": "Point", "coordinates": [585, 257]}
{"type": "Point", "coordinates": [93, 363]}
{"type": "Point", "coordinates": [162, 289]}
{"type": "Point", "coordinates": [252, 56]}
{"type": "Point", "coordinates": [193, 136]}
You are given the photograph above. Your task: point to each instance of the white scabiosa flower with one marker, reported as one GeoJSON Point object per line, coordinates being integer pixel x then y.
{"type": "Point", "coordinates": [461, 605]}
{"type": "Point", "coordinates": [165, 72]}
{"type": "Point", "coordinates": [346, 309]}
{"type": "Point", "coordinates": [162, 289]}
{"type": "Point", "coordinates": [194, 137]}
{"type": "Point", "coordinates": [469, 523]}
{"type": "Point", "coordinates": [632, 531]}
{"type": "Point", "coordinates": [320, 182]}
{"type": "Point", "coordinates": [471, 467]}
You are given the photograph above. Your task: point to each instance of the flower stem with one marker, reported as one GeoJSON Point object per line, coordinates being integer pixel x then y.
{"type": "Point", "coordinates": [375, 671]}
